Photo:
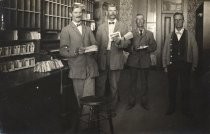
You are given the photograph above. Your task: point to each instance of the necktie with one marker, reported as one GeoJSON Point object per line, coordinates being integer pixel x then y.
{"type": "Point", "coordinates": [111, 22]}
{"type": "Point", "coordinates": [141, 31]}
{"type": "Point", "coordinates": [78, 24]}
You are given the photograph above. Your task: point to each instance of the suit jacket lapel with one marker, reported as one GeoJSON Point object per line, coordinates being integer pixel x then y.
{"type": "Point", "coordinates": [116, 28]}
{"type": "Point", "coordinates": [83, 31]}
{"type": "Point", "coordinates": [75, 28]}
{"type": "Point", "coordinates": [106, 30]}
{"type": "Point", "coordinates": [137, 32]}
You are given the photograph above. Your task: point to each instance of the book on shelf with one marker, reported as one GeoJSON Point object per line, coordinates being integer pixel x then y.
{"type": "Point", "coordinates": [51, 23]}
{"type": "Point", "coordinates": [47, 21]}
{"type": "Point", "coordinates": [55, 23]}
{"type": "Point", "coordinates": [13, 19]}
{"type": "Point", "coordinates": [38, 5]}
{"type": "Point", "coordinates": [51, 8]}
{"type": "Point", "coordinates": [26, 19]}
{"type": "Point", "coordinates": [47, 8]}
{"type": "Point", "coordinates": [59, 24]}
{"type": "Point", "coordinates": [27, 5]}
{"type": "Point", "coordinates": [32, 20]}
{"type": "Point", "coordinates": [37, 20]}
{"type": "Point", "coordinates": [55, 9]}
{"type": "Point", "coordinates": [21, 4]}
{"type": "Point", "coordinates": [20, 19]}
{"type": "Point", "coordinates": [13, 3]}
{"type": "Point", "coordinates": [33, 35]}
{"type": "Point", "coordinates": [32, 5]}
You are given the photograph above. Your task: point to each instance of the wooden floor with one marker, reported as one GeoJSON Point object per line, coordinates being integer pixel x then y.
{"type": "Point", "coordinates": [138, 120]}
{"type": "Point", "coordinates": [154, 121]}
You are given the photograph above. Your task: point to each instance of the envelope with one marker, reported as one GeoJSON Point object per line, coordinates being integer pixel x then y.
{"type": "Point", "coordinates": [128, 36]}
{"type": "Point", "coordinates": [91, 49]}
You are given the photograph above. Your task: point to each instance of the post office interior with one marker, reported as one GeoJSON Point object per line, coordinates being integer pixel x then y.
{"type": "Point", "coordinates": [37, 100]}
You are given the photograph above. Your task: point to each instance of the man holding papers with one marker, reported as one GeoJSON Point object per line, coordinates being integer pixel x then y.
{"type": "Point", "coordinates": [77, 43]}
{"type": "Point", "coordinates": [110, 55]}
{"type": "Point", "coordinates": [143, 43]}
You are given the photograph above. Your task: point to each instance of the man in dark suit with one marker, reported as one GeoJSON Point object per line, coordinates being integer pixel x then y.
{"type": "Point", "coordinates": [180, 57]}
{"type": "Point", "coordinates": [110, 55]}
{"type": "Point", "coordinates": [139, 62]}
{"type": "Point", "coordinates": [74, 39]}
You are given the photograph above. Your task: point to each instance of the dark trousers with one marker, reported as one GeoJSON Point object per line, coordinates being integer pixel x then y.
{"type": "Point", "coordinates": [180, 70]}
{"type": "Point", "coordinates": [113, 76]}
{"type": "Point", "coordinates": [137, 74]}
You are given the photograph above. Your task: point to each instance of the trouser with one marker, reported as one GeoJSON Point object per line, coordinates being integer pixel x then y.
{"type": "Point", "coordinates": [83, 87]}
{"type": "Point", "coordinates": [135, 75]}
{"type": "Point", "coordinates": [180, 70]}
{"type": "Point", "coordinates": [113, 76]}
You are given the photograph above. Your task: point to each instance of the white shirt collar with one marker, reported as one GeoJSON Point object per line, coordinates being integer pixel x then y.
{"type": "Point", "coordinates": [75, 23]}
{"type": "Point", "coordinates": [141, 29]}
{"type": "Point", "coordinates": [179, 32]}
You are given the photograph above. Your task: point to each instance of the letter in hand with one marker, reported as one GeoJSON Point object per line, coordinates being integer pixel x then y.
{"type": "Point", "coordinates": [165, 70]}
{"type": "Point", "coordinates": [116, 40]}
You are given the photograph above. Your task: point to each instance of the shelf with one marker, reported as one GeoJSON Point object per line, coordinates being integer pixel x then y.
{"type": "Point", "coordinates": [54, 50]}
{"type": "Point", "coordinates": [8, 41]}
{"type": "Point", "coordinates": [48, 40]}
{"type": "Point", "coordinates": [21, 54]}
{"type": "Point", "coordinates": [46, 17]}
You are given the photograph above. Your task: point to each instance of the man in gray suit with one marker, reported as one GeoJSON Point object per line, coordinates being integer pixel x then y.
{"type": "Point", "coordinates": [74, 39]}
{"type": "Point", "coordinates": [110, 55]}
{"type": "Point", "coordinates": [139, 62]}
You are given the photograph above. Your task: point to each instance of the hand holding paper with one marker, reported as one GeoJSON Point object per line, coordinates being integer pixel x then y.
{"type": "Point", "coordinates": [142, 47]}
{"type": "Point", "coordinates": [92, 48]}
{"type": "Point", "coordinates": [128, 36]}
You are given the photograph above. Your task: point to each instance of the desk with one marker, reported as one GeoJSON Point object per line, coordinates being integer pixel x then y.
{"type": "Point", "coordinates": [27, 96]}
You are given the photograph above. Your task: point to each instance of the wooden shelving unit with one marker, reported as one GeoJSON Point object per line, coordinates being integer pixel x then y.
{"type": "Point", "coordinates": [18, 43]}
{"type": "Point", "coordinates": [22, 13]}
{"type": "Point", "coordinates": [56, 15]}
{"type": "Point", "coordinates": [45, 18]}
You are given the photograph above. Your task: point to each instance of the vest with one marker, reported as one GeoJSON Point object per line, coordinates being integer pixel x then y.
{"type": "Point", "coordinates": [179, 48]}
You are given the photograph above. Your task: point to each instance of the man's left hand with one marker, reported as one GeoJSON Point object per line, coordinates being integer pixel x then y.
{"type": "Point", "coordinates": [193, 69]}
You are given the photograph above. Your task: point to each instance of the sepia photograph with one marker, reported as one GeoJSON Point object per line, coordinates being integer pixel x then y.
{"type": "Point", "coordinates": [104, 67]}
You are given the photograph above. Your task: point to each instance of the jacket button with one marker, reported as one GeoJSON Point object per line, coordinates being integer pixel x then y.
{"type": "Point", "coordinates": [170, 62]}
{"type": "Point", "coordinates": [171, 56]}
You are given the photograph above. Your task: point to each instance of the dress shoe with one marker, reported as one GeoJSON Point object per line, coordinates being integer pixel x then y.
{"type": "Point", "coordinates": [145, 106]}
{"type": "Point", "coordinates": [130, 106]}
{"type": "Point", "coordinates": [188, 114]}
{"type": "Point", "coordinates": [170, 112]}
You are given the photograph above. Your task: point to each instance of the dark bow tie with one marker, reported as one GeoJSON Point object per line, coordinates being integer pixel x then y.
{"type": "Point", "coordinates": [111, 22]}
{"type": "Point", "coordinates": [78, 24]}
{"type": "Point", "coordinates": [141, 32]}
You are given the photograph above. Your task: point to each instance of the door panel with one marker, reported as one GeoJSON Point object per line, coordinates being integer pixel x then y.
{"type": "Point", "coordinates": [167, 25]}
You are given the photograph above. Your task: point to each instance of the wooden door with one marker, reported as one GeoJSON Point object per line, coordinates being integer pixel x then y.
{"type": "Point", "coordinates": [167, 25]}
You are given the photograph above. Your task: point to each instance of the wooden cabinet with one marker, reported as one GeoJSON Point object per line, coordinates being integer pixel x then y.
{"type": "Point", "coordinates": [56, 15]}
{"type": "Point", "coordinates": [19, 40]}
{"type": "Point", "coordinates": [23, 106]}
{"type": "Point", "coordinates": [36, 23]}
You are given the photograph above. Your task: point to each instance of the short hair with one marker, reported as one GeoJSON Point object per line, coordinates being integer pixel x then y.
{"type": "Point", "coordinates": [139, 14]}
{"type": "Point", "coordinates": [111, 5]}
{"type": "Point", "coordinates": [76, 5]}
{"type": "Point", "coordinates": [178, 13]}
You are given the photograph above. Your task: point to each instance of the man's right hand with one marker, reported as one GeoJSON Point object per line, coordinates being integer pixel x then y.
{"type": "Point", "coordinates": [80, 50]}
{"type": "Point", "coordinates": [165, 70]}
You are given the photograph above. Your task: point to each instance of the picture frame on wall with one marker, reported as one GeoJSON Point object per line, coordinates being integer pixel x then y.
{"type": "Point", "coordinates": [172, 6]}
